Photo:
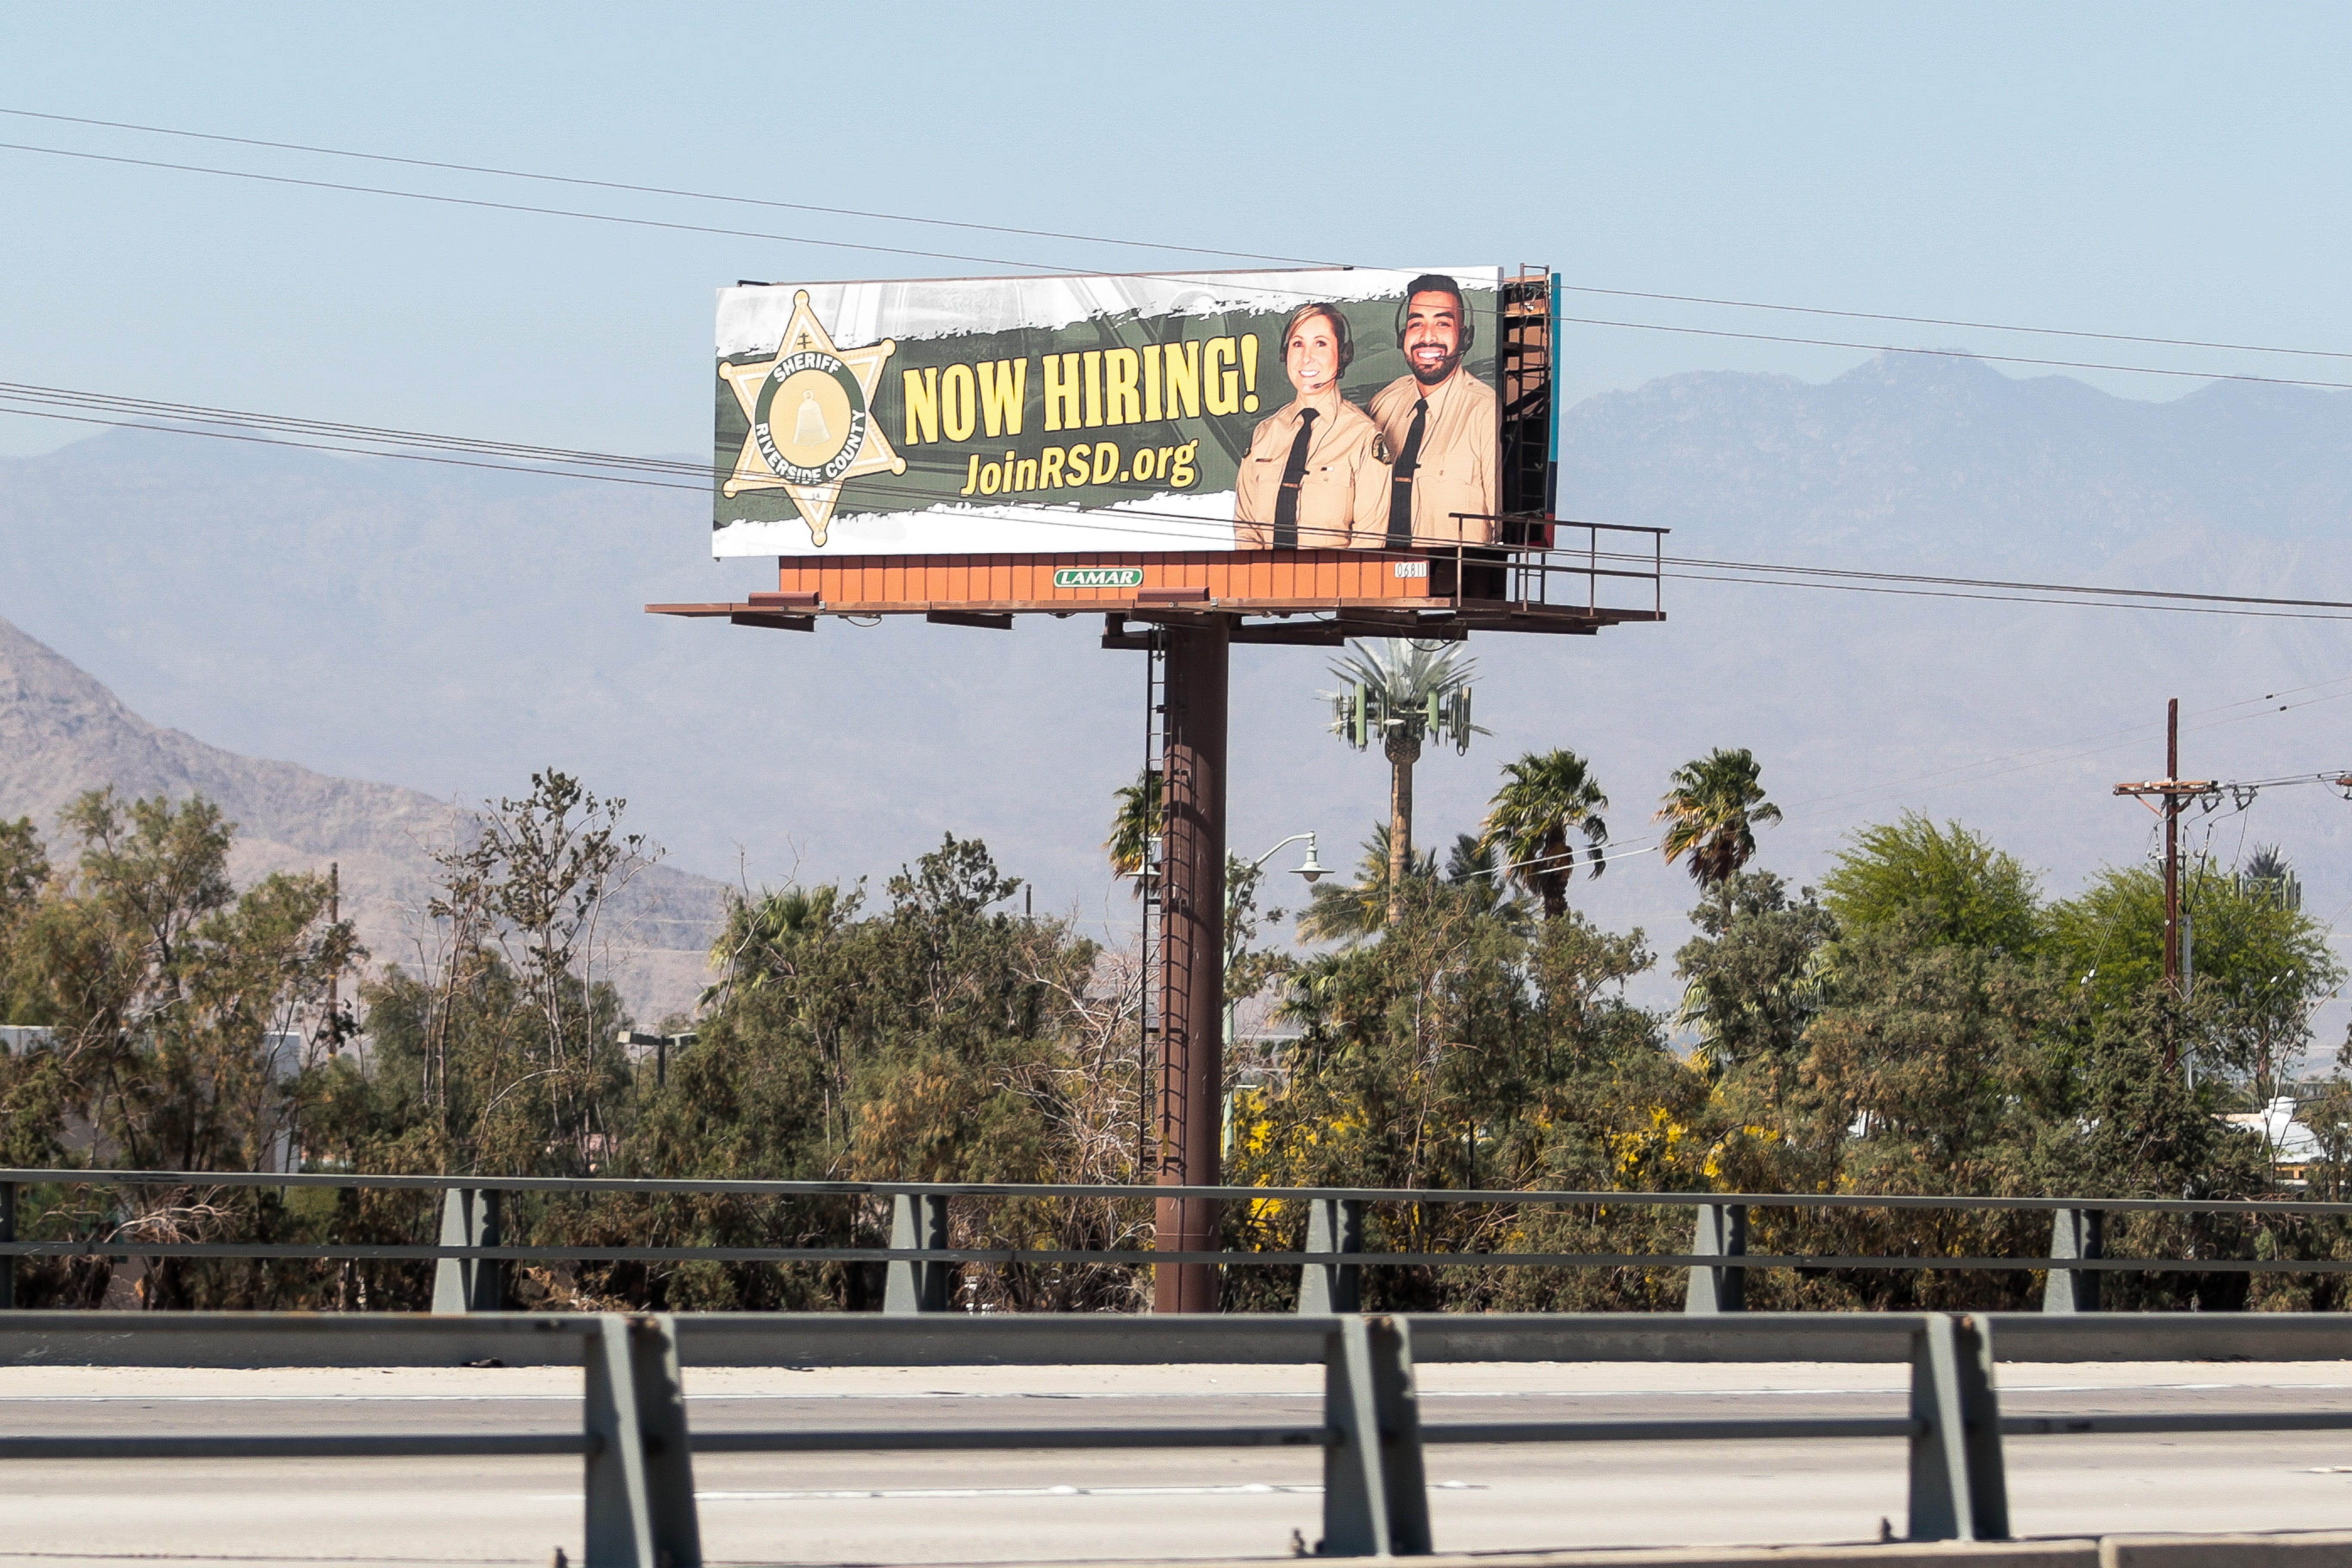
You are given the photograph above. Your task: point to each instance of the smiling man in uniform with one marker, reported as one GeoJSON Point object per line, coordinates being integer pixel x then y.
{"type": "Point", "coordinates": [1439, 424]}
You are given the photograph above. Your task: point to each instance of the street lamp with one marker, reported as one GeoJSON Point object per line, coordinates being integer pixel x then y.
{"type": "Point", "coordinates": [661, 1044]}
{"type": "Point", "coordinates": [1312, 870]}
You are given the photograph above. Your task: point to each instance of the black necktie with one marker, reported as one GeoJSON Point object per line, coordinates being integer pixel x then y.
{"type": "Point", "coordinates": [1401, 483]}
{"type": "Point", "coordinates": [1286, 503]}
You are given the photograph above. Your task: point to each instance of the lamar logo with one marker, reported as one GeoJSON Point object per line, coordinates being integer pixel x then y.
{"type": "Point", "coordinates": [811, 428]}
{"type": "Point", "coordinates": [1098, 577]}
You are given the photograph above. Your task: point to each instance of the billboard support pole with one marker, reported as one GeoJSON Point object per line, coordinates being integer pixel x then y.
{"type": "Point", "coordinates": [1191, 977]}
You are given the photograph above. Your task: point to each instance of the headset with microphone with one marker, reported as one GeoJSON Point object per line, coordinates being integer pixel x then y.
{"type": "Point", "coordinates": [1331, 313]}
{"type": "Point", "coordinates": [1437, 283]}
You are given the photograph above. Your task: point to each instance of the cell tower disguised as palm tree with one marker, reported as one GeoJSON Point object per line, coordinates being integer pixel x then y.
{"type": "Point", "coordinates": [1401, 694]}
{"type": "Point", "coordinates": [1711, 812]}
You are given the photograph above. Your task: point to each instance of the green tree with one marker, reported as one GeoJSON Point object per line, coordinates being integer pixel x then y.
{"type": "Point", "coordinates": [531, 889]}
{"type": "Point", "coordinates": [24, 874]}
{"type": "Point", "coordinates": [2257, 966]}
{"type": "Point", "coordinates": [788, 941]}
{"type": "Point", "coordinates": [1545, 800]}
{"type": "Point", "coordinates": [1711, 810]}
{"type": "Point", "coordinates": [1401, 693]}
{"type": "Point", "coordinates": [1464, 1049]}
{"type": "Point", "coordinates": [1751, 977]}
{"type": "Point", "coordinates": [1974, 894]}
{"type": "Point", "coordinates": [164, 984]}
{"type": "Point", "coordinates": [173, 999]}
{"type": "Point", "coordinates": [23, 868]}
{"type": "Point", "coordinates": [939, 1038]}
{"type": "Point", "coordinates": [1922, 1061]}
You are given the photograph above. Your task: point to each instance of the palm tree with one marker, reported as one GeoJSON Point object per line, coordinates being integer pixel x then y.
{"type": "Point", "coordinates": [1402, 693]}
{"type": "Point", "coordinates": [1133, 827]}
{"type": "Point", "coordinates": [1351, 911]}
{"type": "Point", "coordinates": [762, 933]}
{"type": "Point", "coordinates": [1712, 810]}
{"type": "Point", "coordinates": [1471, 860]}
{"type": "Point", "coordinates": [1544, 799]}
{"type": "Point", "coordinates": [1481, 883]}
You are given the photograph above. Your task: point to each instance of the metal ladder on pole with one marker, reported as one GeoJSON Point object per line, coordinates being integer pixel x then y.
{"type": "Point", "coordinates": [1155, 780]}
{"type": "Point", "coordinates": [1527, 391]}
{"type": "Point", "coordinates": [1526, 373]}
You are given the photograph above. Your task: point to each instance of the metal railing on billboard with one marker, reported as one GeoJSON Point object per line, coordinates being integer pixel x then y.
{"type": "Point", "coordinates": [640, 1448]}
{"type": "Point", "coordinates": [471, 1249]}
{"type": "Point", "coordinates": [1519, 569]}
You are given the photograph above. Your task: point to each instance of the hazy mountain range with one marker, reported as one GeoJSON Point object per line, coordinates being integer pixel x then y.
{"type": "Point", "coordinates": [449, 630]}
{"type": "Point", "coordinates": [62, 733]}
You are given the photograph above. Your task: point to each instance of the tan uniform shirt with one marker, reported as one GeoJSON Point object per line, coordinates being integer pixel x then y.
{"type": "Point", "coordinates": [1456, 471]}
{"type": "Point", "coordinates": [1343, 497]}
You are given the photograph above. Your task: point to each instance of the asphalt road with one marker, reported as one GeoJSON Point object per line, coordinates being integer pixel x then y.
{"type": "Point", "coordinates": [1077, 1503]}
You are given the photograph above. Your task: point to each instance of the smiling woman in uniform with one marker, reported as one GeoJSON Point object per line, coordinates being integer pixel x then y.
{"type": "Point", "coordinates": [1316, 475]}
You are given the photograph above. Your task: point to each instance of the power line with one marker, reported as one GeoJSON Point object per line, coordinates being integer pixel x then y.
{"type": "Point", "coordinates": [355, 451]}
{"type": "Point", "coordinates": [1051, 269]}
{"type": "Point", "coordinates": [1947, 322]}
{"type": "Point", "coordinates": [157, 408]}
{"type": "Point", "coordinates": [1996, 583]}
{"type": "Point", "coordinates": [1154, 245]}
{"type": "Point", "coordinates": [1793, 581]}
{"type": "Point", "coordinates": [315, 149]}
{"type": "Point", "coordinates": [139, 413]}
{"type": "Point", "coordinates": [528, 208]}
{"type": "Point", "coordinates": [1957, 354]}
{"type": "Point", "coordinates": [483, 204]}
{"type": "Point", "coordinates": [663, 190]}
{"type": "Point", "coordinates": [2088, 746]}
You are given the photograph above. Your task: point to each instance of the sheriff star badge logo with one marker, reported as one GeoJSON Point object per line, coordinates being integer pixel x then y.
{"type": "Point", "coordinates": [812, 431]}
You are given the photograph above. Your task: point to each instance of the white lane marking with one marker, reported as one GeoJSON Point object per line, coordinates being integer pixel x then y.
{"type": "Point", "coordinates": [288, 1399]}
{"type": "Point", "coordinates": [312, 1558]}
{"type": "Point", "coordinates": [1251, 1394]}
{"type": "Point", "coordinates": [929, 1494]}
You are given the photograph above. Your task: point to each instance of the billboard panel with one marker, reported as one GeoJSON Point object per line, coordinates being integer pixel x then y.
{"type": "Point", "coordinates": [1348, 409]}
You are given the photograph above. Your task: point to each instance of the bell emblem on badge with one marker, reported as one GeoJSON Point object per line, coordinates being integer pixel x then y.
{"type": "Point", "coordinates": [809, 429]}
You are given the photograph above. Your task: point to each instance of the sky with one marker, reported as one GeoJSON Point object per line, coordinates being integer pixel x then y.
{"type": "Point", "coordinates": [2159, 169]}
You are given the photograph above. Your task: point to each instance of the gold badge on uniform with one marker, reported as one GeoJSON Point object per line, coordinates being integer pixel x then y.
{"type": "Point", "coordinates": [1380, 449]}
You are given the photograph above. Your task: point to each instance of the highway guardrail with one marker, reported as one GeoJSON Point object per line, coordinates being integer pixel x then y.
{"type": "Point", "coordinates": [637, 1445]}
{"type": "Point", "coordinates": [470, 1250]}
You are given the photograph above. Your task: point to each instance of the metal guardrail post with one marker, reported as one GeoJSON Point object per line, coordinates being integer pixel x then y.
{"type": "Point", "coordinates": [8, 1233]}
{"type": "Point", "coordinates": [1721, 1232]}
{"type": "Point", "coordinates": [1375, 1497]}
{"type": "Point", "coordinates": [1959, 1491]}
{"type": "Point", "coordinates": [1333, 1225]}
{"type": "Point", "coordinates": [641, 1459]}
{"type": "Point", "coordinates": [470, 1216]}
{"type": "Point", "coordinates": [918, 1221]}
{"type": "Point", "coordinates": [2074, 1232]}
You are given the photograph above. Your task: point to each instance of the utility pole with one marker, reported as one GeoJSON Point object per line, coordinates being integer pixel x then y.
{"type": "Point", "coordinates": [334, 981]}
{"type": "Point", "coordinates": [2174, 792]}
{"type": "Point", "coordinates": [2172, 850]}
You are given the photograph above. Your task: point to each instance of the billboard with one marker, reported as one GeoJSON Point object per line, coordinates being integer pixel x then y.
{"type": "Point", "coordinates": [1344, 409]}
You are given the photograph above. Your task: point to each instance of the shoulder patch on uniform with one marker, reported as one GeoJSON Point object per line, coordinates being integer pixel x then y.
{"type": "Point", "coordinates": [1380, 449]}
